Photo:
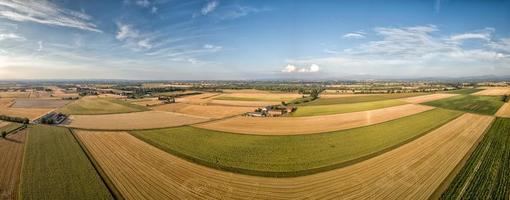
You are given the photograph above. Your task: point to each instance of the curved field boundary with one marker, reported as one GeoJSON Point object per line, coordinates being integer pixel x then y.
{"type": "Point", "coordinates": [133, 121]}
{"type": "Point", "coordinates": [504, 111]}
{"type": "Point", "coordinates": [494, 91]}
{"type": "Point", "coordinates": [305, 111]}
{"type": "Point", "coordinates": [243, 103]}
{"type": "Point", "coordinates": [210, 111]}
{"type": "Point", "coordinates": [313, 124]}
{"type": "Point", "coordinates": [11, 150]}
{"type": "Point", "coordinates": [285, 156]}
{"type": "Point", "coordinates": [427, 98]}
{"type": "Point", "coordinates": [408, 172]}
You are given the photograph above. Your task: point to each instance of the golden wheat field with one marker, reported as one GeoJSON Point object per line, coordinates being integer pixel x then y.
{"type": "Point", "coordinates": [141, 171]}
{"type": "Point", "coordinates": [31, 113]}
{"type": "Point", "coordinates": [504, 111]}
{"type": "Point", "coordinates": [313, 124]}
{"type": "Point", "coordinates": [11, 151]}
{"type": "Point", "coordinates": [211, 111]}
{"type": "Point", "coordinates": [493, 91]}
{"type": "Point", "coordinates": [131, 121]}
{"type": "Point", "coordinates": [427, 98]}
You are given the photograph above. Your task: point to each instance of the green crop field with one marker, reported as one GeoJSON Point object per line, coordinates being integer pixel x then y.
{"type": "Point", "coordinates": [292, 155]}
{"type": "Point", "coordinates": [486, 174]}
{"type": "Point", "coordinates": [95, 106]}
{"type": "Point", "coordinates": [55, 167]}
{"type": "Point", "coordinates": [360, 98]}
{"type": "Point", "coordinates": [465, 91]}
{"type": "Point", "coordinates": [487, 105]}
{"type": "Point", "coordinates": [344, 108]}
{"type": "Point", "coordinates": [10, 127]}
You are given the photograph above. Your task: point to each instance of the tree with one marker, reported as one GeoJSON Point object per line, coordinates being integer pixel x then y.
{"type": "Point", "coordinates": [4, 134]}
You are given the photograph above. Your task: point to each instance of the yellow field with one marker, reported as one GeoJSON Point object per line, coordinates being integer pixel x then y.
{"type": "Point", "coordinates": [14, 94]}
{"type": "Point", "coordinates": [31, 113]}
{"type": "Point", "coordinates": [199, 99]}
{"type": "Point", "coordinates": [504, 111]}
{"type": "Point", "coordinates": [145, 102]}
{"type": "Point", "coordinates": [314, 124]}
{"type": "Point", "coordinates": [496, 91]}
{"type": "Point", "coordinates": [131, 121]}
{"type": "Point", "coordinates": [4, 123]}
{"type": "Point", "coordinates": [141, 171]}
{"type": "Point", "coordinates": [243, 103]}
{"type": "Point", "coordinates": [11, 150]}
{"type": "Point", "coordinates": [427, 98]}
{"type": "Point", "coordinates": [242, 96]}
{"type": "Point", "coordinates": [210, 111]}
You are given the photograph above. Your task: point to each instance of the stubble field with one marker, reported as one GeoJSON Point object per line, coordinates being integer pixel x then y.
{"type": "Point", "coordinates": [11, 151]}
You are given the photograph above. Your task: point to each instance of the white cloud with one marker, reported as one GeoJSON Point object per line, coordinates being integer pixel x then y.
{"type": "Point", "coordinates": [354, 35]}
{"type": "Point", "coordinates": [145, 43]}
{"type": "Point", "coordinates": [212, 48]}
{"type": "Point", "coordinates": [143, 3]}
{"type": "Point", "coordinates": [209, 7]}
{"type": "Point", "coordinates": [479, 35]}
{"type": "Point", "coordinates": [40, 43]}
{"type": "Point", "coordinates": [12, 36]}
{"type": "Point", "coordinates": [133, 38]}
{"type": "Point", "coordinates": [292, 69]}
{"type": "Point", "coordinates": [126, 31]}
{"type": "Point", "coordinates": [45, 12]}
{"type": "Point", "coordinates": [238, 11]}
{"type": "Point", "coordinates": [154, 9]}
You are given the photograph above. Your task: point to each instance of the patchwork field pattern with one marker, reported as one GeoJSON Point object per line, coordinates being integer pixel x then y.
{"type": "Point", "coordinates": [210, 111]}
{"type": "Point", "coordinates": [304, 111]}
{"type": "Point", "coordinates": [486, 175]}
{"type": "Point", "coordinates": [39, 103]}
{"type": "Point", "coordinates": [487, 105]}
{"type": "Point", "coordinates": [274, 97]}
{"type": "Point", "coordinates": [97, 106]}
{"type": "Point", "coordinates": [427, 98]}
{"type": "Point", "coordinates": [291, 155]}
{"type": "Point", "coordinates": [31, 113]}
{"type": "Point", "coordinates": [133, 121]}
{"type": "Point", "coordinates": [11, 150]}
{"type": "Point", "coordinates": [54, 161]}
{"type": "Point", "coordinates": [407, 172]}
{"type": "Point", "coordinates": [357, 98]}
{"type": "Point", "coordinates": [494, 91]}
{"type": "Point", "coordinates": [313, 124]}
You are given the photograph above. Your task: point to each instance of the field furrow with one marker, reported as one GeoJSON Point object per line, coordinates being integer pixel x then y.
{"type": "Point", "coordinates": [412, 171]}
{"type": "Point", "coordinates": [11, 151]}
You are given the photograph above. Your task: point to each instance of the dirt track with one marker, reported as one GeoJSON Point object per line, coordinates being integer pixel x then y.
{"type": "Point", "coordinates": [314, 124]}
{"type": "Point", "coordinates": [411, 171]}
{"type": "Point", "coordinates": [11, 151]}
{"type": "Point", "coordinates": [427, 98]}
{"type": "Point", "coordinates": [131, 121]}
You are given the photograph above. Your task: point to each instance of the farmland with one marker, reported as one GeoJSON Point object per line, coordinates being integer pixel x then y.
{"type": "Point", "coordinates": [347, 99]}
{"type": "Point", "coordinates": [61, 167]}
{"type": "Point", "coordinates": [30, 113]}
{"type": "Point", "coordinates": [211, 111]}
{"type": "Point", "coordinates": [136, 120]}
{"type": "Point", "coordinates": [487, 172]}
{"type": "Point", "coordinates": [257, 96]}
{"type": "Point", "coordinates": [291, 155]}
{"type": "Point", "coordinates": [504, 111]}
{"type": "Point", "coordinates": [344, 108]}
{"type": "Point", "coordinates": [8, 127]}
{"type": "Point", "coordinates": [465, 91]}
{"type": "Point", "coordinates": [97, 106]}
{"type": "Point", "coordinates": [409, 171]}
{"type": "Point", "coordinates": [39, 103]}
{"type": "Point", "coordinates": [427, 98]}
{"type": "Point", "coordinates": [313, 124]}
{"type": "Point", "coordinates": [11, 150]}
{"type": "Point", "coordinates": [493, 91]}
{"type": "Point", "coordinates": [487, 105]}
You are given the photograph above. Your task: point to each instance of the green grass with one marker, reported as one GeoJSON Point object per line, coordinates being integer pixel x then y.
{"type": "Point", "coordinates": [486, 174]}
{"type": "Point", "coordinates": [292, 155]}
{"type": "Point", "coordinates": [55, 167]}
{"type": "Point", "coordinates": [344, 108]}
{"type": "Point", "coordinates": [360, 98]}
{"type": "Point", "coordinates": [487, 105]}
{"type": "Point", "coordinates": [10, 127]}
{"type": "Point", "coordinates": [95, 106]}
{"type": "Point", "coordinates": [464, 91]}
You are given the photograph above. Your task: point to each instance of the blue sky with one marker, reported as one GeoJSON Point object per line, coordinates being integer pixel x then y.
{"type": "Point", "coordinates": [219, 39]}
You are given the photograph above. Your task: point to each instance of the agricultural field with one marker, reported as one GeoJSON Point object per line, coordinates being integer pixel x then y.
{"type": "Point", "coordinates": [8, 126]}
{"type": "Point", "coordinates": [427, 98]}
{"type": "Point", "coordinates": [465, 91]}
{"type": "Point", "coordinates": [487, 105]}
{"type": "Point", "coordinates": [210, 111]}
{"type": "Point", "coordinates": [493, 91]}
{"type": "Point", "coordinates": [146, 102]}
{"type": "Point", "coordinates": [304, 111]}
{"type": "Point", "coordinates": [486, 175]}
{"type": "Point", "coordinates": [504, 111]}
{"type": "Point", "coordinates": [313, 124]}
{"type": "Point", "coordinates": [407, 172]}
{"type": "Point", "coordinates": [357, 98]}
{"type": "Point", "coordinates": [31, 113]}
{"type": "Point", "coordinates": [135, 120]}
{"type": "Point", "coordinates": [11, 149]}
{"type": "Point", "coordinates": [14, 94]}
{"type": "Point", "coordinates": [98, 106]}
{"type": "Point", "coordinates": [291, 155]}
{"type": "Point", "coordinates": [242, 103]}
{"type": "Point", "coordinates": [55, 167]}
{"type": "Point", "coordinates": [39, 103]}
{"type": "Point", "coordinates": [275, 97]}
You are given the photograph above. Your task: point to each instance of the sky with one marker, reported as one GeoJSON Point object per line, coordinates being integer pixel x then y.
{"type": "Point", "coordinates": [245, 40]}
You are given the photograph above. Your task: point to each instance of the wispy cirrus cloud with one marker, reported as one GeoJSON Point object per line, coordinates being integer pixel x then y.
{"type": "Point", "coordinates": [45, 12]}
{"type": "Point", "coordinates": [209, 7]}
{"type": "Point", "coordinates": [354, 35]}
{"type": "Point", "coordinates": [10, 36]}
{"type": "Point", "coordinates": [484, 34]}
{"type": "Point", "coordinates": [132, 37]}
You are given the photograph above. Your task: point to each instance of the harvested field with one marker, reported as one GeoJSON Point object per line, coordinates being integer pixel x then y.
{"type": "Point", "coordinates": [11, 150]}
{"type": "Point", "coordinates": [146, 102]}
{"type": "Point", "coordinates": [97, 106]}
{"type": "Point", "coordinates": [494, 91]}
{"type": "Point", "coordinates": [4, 123]}
{"type": "Point", "coordinates": [427, 98]}
{"type": "Point", "coordinates": [314, 124]}
{"type": "Point", "coordinates": [210, 111]}
{"type": "Point", "coordinates": [31, 113]}
{"type": "Point", "coordinates": [465, 91]}
{"type": "Point", "coordinates": [129, 121]}
{"type": "Point", "coordinates": [199, 99]}
{"type": "Point", "coordinates": [486, 175]}
{"type": "Point", "coordinates": [39, 103]}
{"type": "Point", "coordinates": [357, 98]}
{"type": "Point", "coordinates": [408, 172]}
{"type": "Point", "coordinates": [344, 108]}
{"type": "Point", "coordinates": [276, 97]}
{"type": "Point", "coordinates": [55, 167]}
{"type": "Point", "coordinates": [244, 103]}
{"type": "Point", "coordinates": [487, 105]}
{"type": "Point", "coordinates": [291, 155]}
{"type": "Point", "coordinates": [504, 111]}
{"type": "Point", "coordinates": [14, 94]}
